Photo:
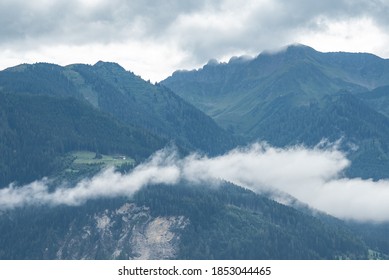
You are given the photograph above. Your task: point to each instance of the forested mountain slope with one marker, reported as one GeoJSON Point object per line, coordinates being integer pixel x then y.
{"type": "Point", "coordinates": [38, 130]}
{"type": "Point", "coordinates": [176, 222]}
{"type": "Point", "coordinates": [299, 96]}
{"type": "Point", "coordinates": [125, 96]}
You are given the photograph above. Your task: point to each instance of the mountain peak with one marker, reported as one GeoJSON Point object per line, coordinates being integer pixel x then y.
{"type": "Point", "coordinates": [240, 59]}
{"type": "Point", "coordinates": [298, 46]}
{"type": "Point", "coordinates": [293, 49]}
{"type": "Point", "coordinates": [212, 62]}
{"type": "Point", "coordinates": [108, 65]}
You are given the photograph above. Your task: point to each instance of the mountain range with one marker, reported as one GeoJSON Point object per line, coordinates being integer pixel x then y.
{"type": "Point", "coordinates": [68, 123]}
{"type": "Point", "coordinates": [299, 96]}
{"type": "Point", "coordinates": [80, 106]}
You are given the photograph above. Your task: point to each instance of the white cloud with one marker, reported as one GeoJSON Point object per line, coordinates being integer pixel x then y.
{"type": "Point", "coordinates": [106, 184]}
{"type": "Point", "coordinates": [352, 35]}
{"type": "Point", "coordinates": [313, 176]}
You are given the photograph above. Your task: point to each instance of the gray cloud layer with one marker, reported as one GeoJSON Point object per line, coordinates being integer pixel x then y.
{"type": "Point", "coordinates": [202, 29]}
{"type": "Point", "coordinates": [313, 176]}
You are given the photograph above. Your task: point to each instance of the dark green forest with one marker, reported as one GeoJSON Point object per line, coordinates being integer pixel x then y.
{"type": "Point", "coordinates": [229, 222]}
{"type": "Point", "coordinates": [37, 131]}
{"type": "Point", "coordinates": [226, 222]}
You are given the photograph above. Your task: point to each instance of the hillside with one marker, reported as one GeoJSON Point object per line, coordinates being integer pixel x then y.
{"type": "Point", "coordinates": [126, 97]}
{"type": "Point", "coordinates": [298, 96]}
{"type": "Point", "coordinates": [37, 131]}
{"type": "Point", "coordinates": [230, 92]}
{"type": "Point", "coordinates": [176, 222]}
{"type": "Point", "coordinates": [378, 99]}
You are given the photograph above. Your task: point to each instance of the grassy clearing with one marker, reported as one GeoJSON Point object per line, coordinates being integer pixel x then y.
{"type": "Point", "coordinates": [90, 158]}
{"type": "Point", "coordinates": [86, 164]}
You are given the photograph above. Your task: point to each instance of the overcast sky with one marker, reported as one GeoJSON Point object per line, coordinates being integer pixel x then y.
{"type": "Point", "coordinates": [154, 38]}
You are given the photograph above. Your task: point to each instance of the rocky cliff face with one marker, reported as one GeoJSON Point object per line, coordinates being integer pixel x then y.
{"type": "Point", "coordinates": [128, 232]}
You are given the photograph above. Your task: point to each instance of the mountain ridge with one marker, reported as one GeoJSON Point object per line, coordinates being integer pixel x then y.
{"type": "Point", "coordinates": [268, 98]}
{"type": "Point", "coordinates": [120, 93]}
